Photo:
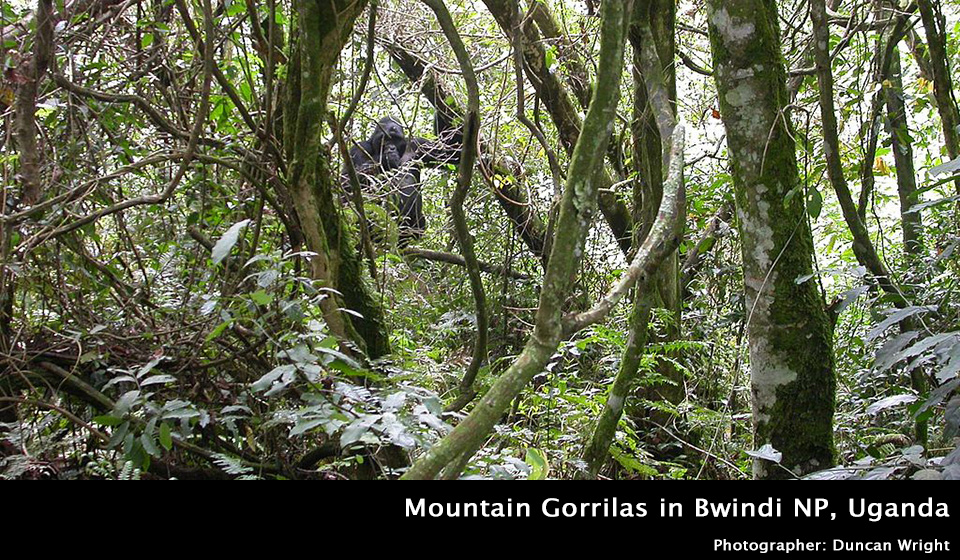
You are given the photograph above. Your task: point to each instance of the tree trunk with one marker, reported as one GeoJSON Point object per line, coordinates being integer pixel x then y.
{"type": "Point", "coordinates": [324, 27]}
{"type": "Point", "coordinates": [902, 146]}
{"type": "Point", "coordinates": [655, 93]}
{"type": "Point", "coordinates": [934, 25]}
{"type": "Point", "coordinates": [790, 336]}
{"type": "Point", "coordinates": [468, 157]}
{"type": "Point", "coordinates": [31, 71]}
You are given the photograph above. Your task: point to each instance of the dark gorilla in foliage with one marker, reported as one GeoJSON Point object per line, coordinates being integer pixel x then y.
{"type": "Point", "coordinates": [386, 150]}
{"type": "Point", "coordinates": [383, 151]}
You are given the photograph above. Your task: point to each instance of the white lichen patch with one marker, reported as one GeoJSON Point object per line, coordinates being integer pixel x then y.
{"type": "Point", "coordinates": [615, 403]}
{"type": "Point", "coordinates": [768, 372]}
{"type": "Point", "coordinates": [731, 28]}
{"type": "Point", "coordinates": [758, 240]}
{"type": "Point", "coordinates": [741, 95]}
{"type": "Point", "coordinates": [748, 120]}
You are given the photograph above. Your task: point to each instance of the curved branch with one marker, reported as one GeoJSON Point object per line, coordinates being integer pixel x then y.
{"type": "Point", "coordinates": [468, 157]}
{"type": "Point", "coordinates": [450, 258]}
{"type": "Point", "coordinates": [663, 239]}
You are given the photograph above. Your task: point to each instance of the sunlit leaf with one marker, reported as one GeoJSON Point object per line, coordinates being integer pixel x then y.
{"type": "Point", "coordinates": [226, 243]}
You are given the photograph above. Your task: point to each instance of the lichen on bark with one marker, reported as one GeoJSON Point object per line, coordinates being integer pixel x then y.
{"type": "Point", "coordinates": [791, 356]}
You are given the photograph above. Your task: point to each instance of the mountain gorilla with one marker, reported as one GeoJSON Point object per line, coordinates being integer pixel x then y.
{"type": "Point", "coordinates": [383, 151]}
{"type": "Point", "coordinates": [386, 150]}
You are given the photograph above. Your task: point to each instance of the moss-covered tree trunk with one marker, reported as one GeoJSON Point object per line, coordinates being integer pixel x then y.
{"type": "Point", "coordinates": [790, 336]}
{"type": "Point", "coordinates": [324, 27]}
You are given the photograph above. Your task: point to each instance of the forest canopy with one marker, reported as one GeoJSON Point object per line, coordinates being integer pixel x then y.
{"type": "Point", "coordinates": [509, 239]}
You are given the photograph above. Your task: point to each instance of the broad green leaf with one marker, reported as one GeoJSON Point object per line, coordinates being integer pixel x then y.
{"type": "Point", "coordinates": [357, 429]}
{"type": "Point", "coordinates": [166, 439]}
{"type": "Point", "coordinates": [226, 243]}
{"type": "Point", "coordinates": [814, 204]}
{"type": "Point", "coordinates": [305, 425]}
{"type": "Point", "coordinates": [157, 380]}
{"type": "Point", "coordinates": [261, 297]}
{"type": "Point", "coordinates": [148, 445]}
{"type": "Point", "coordinates": [125, 401]}
{"type": "Point", "coordinates": [951, 368]}
{"type": "Point", "coordinates": [149, 366]}
{"type": "Point", "coordinates": [539, 467]}
{"type": "Point", "coordinates": [270, 377]}
{"type": "Point", "coordinates": [896, 317]}
{"type": "Point", "coordinates": [889, 402]}
{"type": "Point", "coordinates": [118, 435]}
{"type": "Point", "coordinates": [107, 420]}
{"type": "Point", "coordinates": [218, 330]}
{"type": "Point", "coordinates": [236, 8]}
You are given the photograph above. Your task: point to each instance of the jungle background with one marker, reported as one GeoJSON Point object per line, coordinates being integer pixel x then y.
{"type": "Point", "coordinates": [196, 284]}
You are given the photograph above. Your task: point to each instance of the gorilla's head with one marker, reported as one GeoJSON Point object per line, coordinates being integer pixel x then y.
{"type": "Point", "coordinates": [387, 130]}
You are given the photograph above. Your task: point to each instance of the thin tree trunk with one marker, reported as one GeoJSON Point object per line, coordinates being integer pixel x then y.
{"type": "Point", "coordinates": [863, 247]}
{"type": "Point", "coordinates": [31, 71]}
{"type": "Point", "coordinates": [911, 225]}
{"type": "Point", "coordinates": [902, 146]}
{"type": "Point", "coordinates": [934, 25]}
{"type": "Point", "coordinates": [468, 157]}
{"type": "Point", "coordinates": [655, 92]}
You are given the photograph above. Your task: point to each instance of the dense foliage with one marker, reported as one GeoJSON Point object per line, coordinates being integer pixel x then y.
{"type": "Point", "coordinates": [169, 309]}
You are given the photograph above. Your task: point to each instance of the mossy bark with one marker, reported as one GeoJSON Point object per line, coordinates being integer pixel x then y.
{"type": "Point", "coordinates": [790, 336]}
{"type": "Point", "coordinates": [902, 147]}
{"type": "Point", "coordinates": [324, 27]}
